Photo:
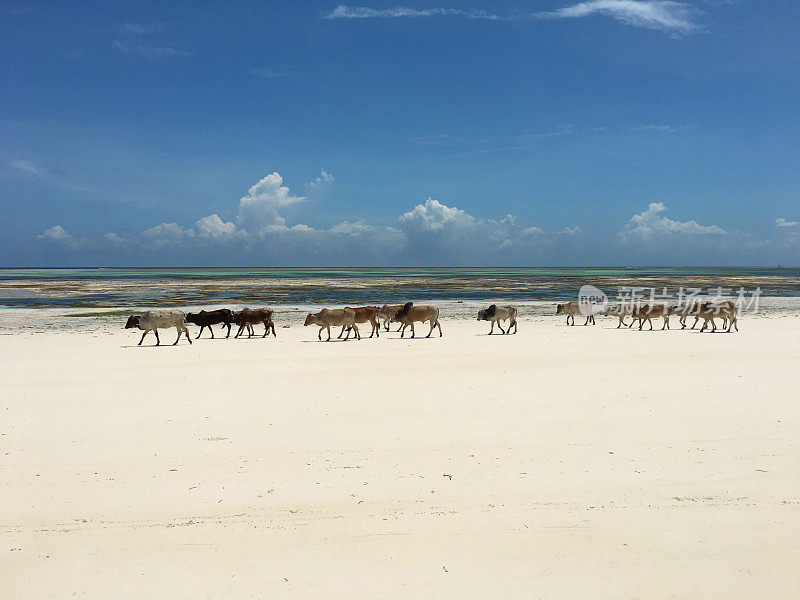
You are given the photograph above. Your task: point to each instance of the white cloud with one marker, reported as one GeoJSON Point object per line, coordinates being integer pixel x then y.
{"type": "Point", "coordinates": [214, 227]}
{"type": "Point", "coordinates": [115, 239]}
{"type": "Point", "coordinates": [361, 12]}
{"type": "Point", "coordinates": [652, 14]}
{"type": "Point", "coordinates": [429, 233]}
{"type": "Point", "coordinates": [259, 208]}
{"type": "Point", "coordinates": [137, 38]}
{"type": "Point", "coordinates": [25, 165]}
{"type": "Point", "coordinates": [166, 235]}
{"type": "Point", "coordinates": [571, 231]}
{"type": "Point", "coordinates": [781, 222]}
{"type": "Point", "coordinates": [657, 128]}
{"type": "Point", "coordinates": [649, 226]}
{"type": "Point", "coordinates": [321, 182]}
{"type": "Point", "coordinates": [434, 216]}
{"type": "Point", "coordinates": [58, 235]}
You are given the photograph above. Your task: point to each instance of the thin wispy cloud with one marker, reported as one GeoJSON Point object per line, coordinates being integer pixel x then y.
{"type": "Point", "coordinates": [781, 222]}
{"type": "Point", "coordinates": [138, 39]}
{"type": "Point", "coordinates": [398, 12]}
{"type": "Point", "coordinates": [25, 165]}
{"type": "Point", "coordinates": [656, 128]}
{"type": "Point", "coordinates": [482, 144]}
{"type": "Point", "coordinates": [665, 15]}
{"type": "Point", "coordinates": [267, 73]}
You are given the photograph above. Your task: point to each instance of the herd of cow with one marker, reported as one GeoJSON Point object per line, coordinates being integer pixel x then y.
{"type": "Point", "coordinates": [644, 313]}
{"type": "Point", "coordinates": [407, 314]}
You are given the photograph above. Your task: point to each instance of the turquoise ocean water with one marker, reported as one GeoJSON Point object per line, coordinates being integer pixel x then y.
{"type": "Point", "coordinates": [192, 286]}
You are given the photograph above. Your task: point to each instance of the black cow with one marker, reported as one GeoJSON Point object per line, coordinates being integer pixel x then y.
{"type": "Point", "coordinates": [207, 318]}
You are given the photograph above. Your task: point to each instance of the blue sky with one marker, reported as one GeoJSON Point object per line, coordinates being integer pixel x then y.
{"type": "Point", "coordinates": [606, 132]}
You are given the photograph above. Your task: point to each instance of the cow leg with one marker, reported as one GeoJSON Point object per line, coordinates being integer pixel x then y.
{"type": "Point", "coordinates": [229, 330]}
{"type": "Point", "coordinates": [348, 333]}
{"type": "Point", "coordinates": [402, 330]}
{"type": "Point", "coordinates": [179, 335]}
{"type": "Point", "coordinates": [439, 326]}
{"type": "Point", "coordinates": [266, 329]}
{"type": "Point", "coordinates": [319, 335]}
{"type": "Point", "coordinates": [146, 331]}
{"type": "Point", "coordinates": [509, 327]}
{"type": "Point", "coordinates": [201, 331]}
{"type": "Point", "coordinates": [329, 333]}
{"type": "Point", "coordinates": [358, 334]}
{"type": "Point", "coordinates": [413, 333]}
{"type": "Point", "coordinates": [188, 337]}
{"type": "Point", "coordinates": [211, 331]}
{"type": "Point", "coordinates": [341, 332]}
{"type": "Point", "coordinates": [492, 329]}
{"type": "Point", "coordinates": [696, 319]}
{"type": "Point", "coordinates": [500, 327]}
{"type": "Point", "coordinates": [433, 325]}
{"type": "Point", "coordinates": [158, 341]}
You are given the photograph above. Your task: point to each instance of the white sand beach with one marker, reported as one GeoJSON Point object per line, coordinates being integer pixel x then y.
{"type": "Point", "coordinates": [561, 462]}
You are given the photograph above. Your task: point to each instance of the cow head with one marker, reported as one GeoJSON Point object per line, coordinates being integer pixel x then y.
{"type": "Point", "coordinates": [487, 313]}
{"type": "Point", "coordinates": [559, 309]}
{"type": "Point", "coordinates": [403, 311]}
{"type": "Point", "coordinates": [192, 318]}
{"type": "Point", "coordinates": [133, 321]}
{"type": "Point", "coordinates": [311, 319]}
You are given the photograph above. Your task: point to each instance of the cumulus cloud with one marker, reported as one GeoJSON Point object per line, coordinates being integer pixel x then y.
{"type": "Point", "coordinates": [361, 12]}
{"type": "Point", "coordinates": [664, 15]}
{"type": "Point", "coordinates": [434, 216]}
{"type": "Point", "coordinates": [650, 225]}
{"type": "Point", "coordinates": [58, 235]}
{"type": "Point", "coordinates": [259, 208]}
{"type": "Point", "coordinates": [450, 235]}
{"type": "Point", "coordinates": [166, 235]}
{"type": "Point", "coordinates": [115, 239]}
{"type": "Point", "coordinates": [214, 227]}
{"type": "Point", "coordinates": [430, 232]}
{"type": "Point", "coordinates": [781, 222]}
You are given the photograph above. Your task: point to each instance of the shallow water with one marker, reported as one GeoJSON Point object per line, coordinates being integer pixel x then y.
{"type": "Point", "coordinates": [173, 287]}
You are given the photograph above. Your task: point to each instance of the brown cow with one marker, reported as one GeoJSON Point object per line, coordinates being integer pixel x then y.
{"type": "Point", "coordinates": [723, 309]}
{"type": "Point", "coordinates": [577, 308]}
{"type": "Point", "coordinates": [247, 317]}
{"type": "Point", "coordinates": [364, 314]}
{"type": "Point", "coordinates": [410, 314]}
{"type": "Point", "coordinates": [387, 313]}
{"type": "Point", "coordinates": [327, 318]}
{"type": "Point", "coordinates": [645, 312]}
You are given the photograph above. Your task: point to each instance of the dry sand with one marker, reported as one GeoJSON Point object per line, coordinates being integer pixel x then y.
{"type": "Point", "coordinates": [562, 462]}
